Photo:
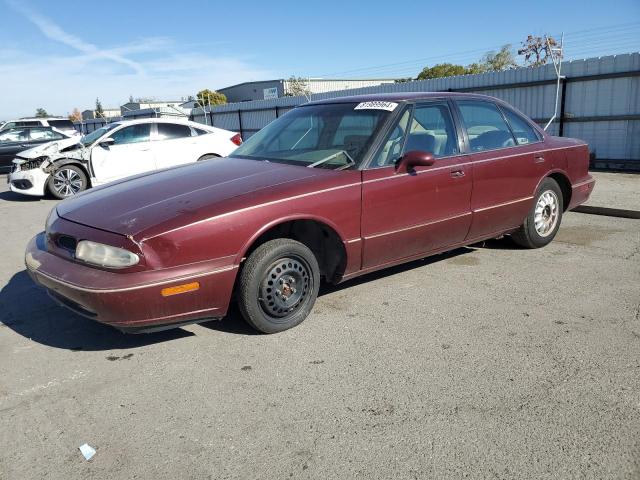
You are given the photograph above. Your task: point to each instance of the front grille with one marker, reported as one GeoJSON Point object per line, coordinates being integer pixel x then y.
{"type": "Point", "coordinates": [67, 242]}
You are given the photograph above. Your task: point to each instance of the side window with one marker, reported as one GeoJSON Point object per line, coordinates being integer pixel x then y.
{"type": "Point", "coordinates": [432, 131]}
{"type": "Point", "coordinates": [15, 135]}
{"type": "Point", "coordinates": [200, 131]}
{"type": "Point", "coordinates": [43, 134]}
{"type": "Point", "coordinates": [523, 132]}
{"type": "Point", "coordinates": [169, 131]}
{"type": "Point", "coordinates": [132, 134]}
{"type": "Point", "coordinates": [485, 126]}
{"type": "Point", "coordinates": [61, 123]}
{"type": "Point", "coordinates": [392, 147]}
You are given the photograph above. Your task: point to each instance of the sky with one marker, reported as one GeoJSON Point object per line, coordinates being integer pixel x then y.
{"type": "Point", "coordinates": [64, 55]}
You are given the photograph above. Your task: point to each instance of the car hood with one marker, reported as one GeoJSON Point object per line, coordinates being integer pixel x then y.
{"type": "Point", "coordinates": [49, 148]}
{"type": "Point", "coordinates": [177, 196]}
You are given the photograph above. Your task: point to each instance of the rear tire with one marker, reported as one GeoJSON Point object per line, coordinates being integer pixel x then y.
{"type": "Point", "coordinates": [67, 181]}
{"type": "Point", "coordinates": [543, 221]}
{"type": "Point", "coordinates": [278, 285]}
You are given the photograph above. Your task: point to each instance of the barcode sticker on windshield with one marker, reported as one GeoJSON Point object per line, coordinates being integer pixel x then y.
{"type": "Point", "coordinates": [378, 105]}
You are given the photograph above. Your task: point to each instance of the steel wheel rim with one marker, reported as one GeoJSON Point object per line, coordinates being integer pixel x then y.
{"type": "Point", "coordinates": [285, 287]}
{"type": "Point", "coordinates": [67, 182]}
{"type": "Point", "coordinates": [546, 213]}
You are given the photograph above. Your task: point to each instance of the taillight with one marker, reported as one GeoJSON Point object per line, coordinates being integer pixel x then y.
{"type": "Point", "coordinates": [237, 139]}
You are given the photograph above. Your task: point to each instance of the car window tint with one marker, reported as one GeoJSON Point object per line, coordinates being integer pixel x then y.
{"type": "Point", "coordinates": [432, 131]}
{"type": "Point", "coordinates": [169, 131]}
{"type": "Point", "coordinates": [132, 134]}
{"type": "Point", "coordinates": [485, 126]}
{"type": "Point", "coordinates": [392, 147]}
{"type": "Point", "coordinates": [30, 123]}
{"type": "Point", "coordinates": [61, 123]}
{"type": "Point", "coordinates": [523, 132]}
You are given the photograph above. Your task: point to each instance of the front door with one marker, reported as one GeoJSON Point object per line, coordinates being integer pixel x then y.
{"type": "Point", "coordinates": [408, 214]}
{"type": "Point", "coordinates": [129, 154]}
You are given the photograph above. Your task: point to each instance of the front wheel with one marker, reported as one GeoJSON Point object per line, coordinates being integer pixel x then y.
{"type": "Point", "coordinates": [67, 181]}
{"type": "Point", "coordinates": [278, 285]}
{"type": "Point", "coordinates": [543, 221]}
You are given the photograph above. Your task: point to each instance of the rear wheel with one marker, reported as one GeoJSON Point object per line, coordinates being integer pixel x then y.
{"type": "Point", "coordinates": [543, 221]}
{"type": "Point", "coordinates": [278, 285]}
{"type": "Point", "coordinates": [67, 181]}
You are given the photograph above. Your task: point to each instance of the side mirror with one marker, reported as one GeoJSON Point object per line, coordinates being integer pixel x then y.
{"type": "Point", "coordinates": [414, 158]}
{"type": "Point", "coordinates": [106, 142]}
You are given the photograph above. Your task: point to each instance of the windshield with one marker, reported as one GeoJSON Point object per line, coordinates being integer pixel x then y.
{"type": "Point", "coordinates": [89, 138]}
{"type": "Point", "coordinates": [319, 136]}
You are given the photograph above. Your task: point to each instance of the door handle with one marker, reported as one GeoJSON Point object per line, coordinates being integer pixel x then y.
{"type": "Point", "coordinates": [538, 158]}
{"type": "Point", "coordinates": [457, 173]}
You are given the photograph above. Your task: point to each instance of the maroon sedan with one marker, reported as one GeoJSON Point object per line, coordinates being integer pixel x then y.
{"type": "Point", "coordinates": [329, 191]}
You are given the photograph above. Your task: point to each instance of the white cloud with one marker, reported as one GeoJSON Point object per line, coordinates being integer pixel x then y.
{"type": "Point", "coordinates": [149, 67]}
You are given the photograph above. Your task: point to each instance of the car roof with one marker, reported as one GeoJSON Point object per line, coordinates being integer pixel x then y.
{"type": "Point", "coordinates": [399, 97]}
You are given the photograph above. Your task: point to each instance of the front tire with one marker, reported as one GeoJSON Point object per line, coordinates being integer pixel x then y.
{"type": "Point", "coordinates": [543, 221]}
{"type": "Point", "coordinates": [278, 285]}
{"type": "Point", "coordinates": [67, 181]}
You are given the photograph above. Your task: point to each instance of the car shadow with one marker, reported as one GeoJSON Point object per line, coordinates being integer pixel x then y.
{"type": "Point", "coordinates": [10, 196]}
{"type": "Point", "coordinates": [234, 323]}
{"type": "Point", "coordinates": [27, 310]}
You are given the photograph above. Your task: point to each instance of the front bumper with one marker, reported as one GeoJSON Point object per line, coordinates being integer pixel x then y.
{"type": "Point", "coordinates": [130, 301]}
{"type": "Point", "coordinates": [28, 182]}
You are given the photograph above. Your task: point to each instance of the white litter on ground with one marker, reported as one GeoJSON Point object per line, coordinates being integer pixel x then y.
{"type": "Point", "coordinates": [87, 451]}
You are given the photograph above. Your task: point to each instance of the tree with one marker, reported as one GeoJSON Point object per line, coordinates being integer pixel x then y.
{"type": "Point", "coordinates": [75, 115]}
{"type": "Point", "coordinates": [536, 50]}
{"type": "Point", "coordinates": [99, 112]}
{"type": "Point", "coordinates": [41, 112]}
{"type": "Point", "coordinates": [441, 70]}
{"type": "Point", "coordinates": [477, 67]}
{"type": "Point", "coordinates": [498, 61]}
{"type": "Point", "coordinates": [403, 80]}
{"type": "Point", "coordinates": [210, 97]}
{"type": "Point", "coordinates": [297, 87]}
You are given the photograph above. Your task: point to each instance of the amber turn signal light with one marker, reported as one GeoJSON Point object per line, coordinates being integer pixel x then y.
{"type": "Point", "coordinates": [184, 288]}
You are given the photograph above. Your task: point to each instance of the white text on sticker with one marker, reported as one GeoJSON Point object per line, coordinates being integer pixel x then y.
{"type": "Point", "coordinates": [378, 105]}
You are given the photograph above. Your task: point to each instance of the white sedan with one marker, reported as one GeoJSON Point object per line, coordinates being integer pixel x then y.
{"type": "Point", "coordinates": [116, 151]}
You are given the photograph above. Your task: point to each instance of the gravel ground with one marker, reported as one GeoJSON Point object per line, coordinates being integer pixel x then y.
{"type": "Point", "coordinates": [487, 362]}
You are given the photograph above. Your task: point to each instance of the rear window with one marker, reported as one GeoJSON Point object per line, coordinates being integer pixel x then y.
{"type": "Point", "coordinates": [169, 131]}
{"type": "Point", "coordinates": [61, 123]}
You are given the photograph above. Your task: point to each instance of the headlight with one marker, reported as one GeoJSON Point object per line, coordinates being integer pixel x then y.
{"type": "Point", "coordinates": [105, 255]}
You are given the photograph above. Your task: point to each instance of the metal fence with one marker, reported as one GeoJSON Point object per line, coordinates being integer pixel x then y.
{"type": "Point", "coordinates": [599, 103]}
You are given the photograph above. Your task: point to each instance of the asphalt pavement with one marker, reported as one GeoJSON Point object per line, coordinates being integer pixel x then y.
{"type": "Point", "coordinates": [486, 362]}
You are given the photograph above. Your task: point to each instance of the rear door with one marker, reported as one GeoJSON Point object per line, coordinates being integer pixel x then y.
{"type": "Point", "coordinates": [130, 154]}
{"type": "Point", "coordinates": [174, 145]}
{"type": "Point", "coordinates": [506, 166]}
{"type": "Point", "coordinates": [408, 214]}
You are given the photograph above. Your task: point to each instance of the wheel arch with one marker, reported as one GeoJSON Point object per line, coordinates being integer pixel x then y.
{"type": "Point", "coordinates": [56, 164]}
{"type": "Point", "coordinates": [562, 179]}
{"type": "Point", "coordinates": [320, 235]}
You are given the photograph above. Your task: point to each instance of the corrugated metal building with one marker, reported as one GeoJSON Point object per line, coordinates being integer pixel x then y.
{"type": "Point", "coordinates": [269, 89]}
{"type": "Point", "coordinates": [600, 103]}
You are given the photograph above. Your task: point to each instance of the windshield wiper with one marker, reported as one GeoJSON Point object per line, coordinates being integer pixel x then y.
{"type": "Point", "coordinates": [350, 163]}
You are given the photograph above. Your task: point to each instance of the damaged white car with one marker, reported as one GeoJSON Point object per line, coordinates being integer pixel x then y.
{"type": "Point", "coordinates": [115, 151]}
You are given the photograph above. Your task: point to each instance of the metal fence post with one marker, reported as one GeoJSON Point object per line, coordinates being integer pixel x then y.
{"type": "Point", "coordinates": [562, 103]}
{"type": "Point", "coordinates": [240, 123]}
